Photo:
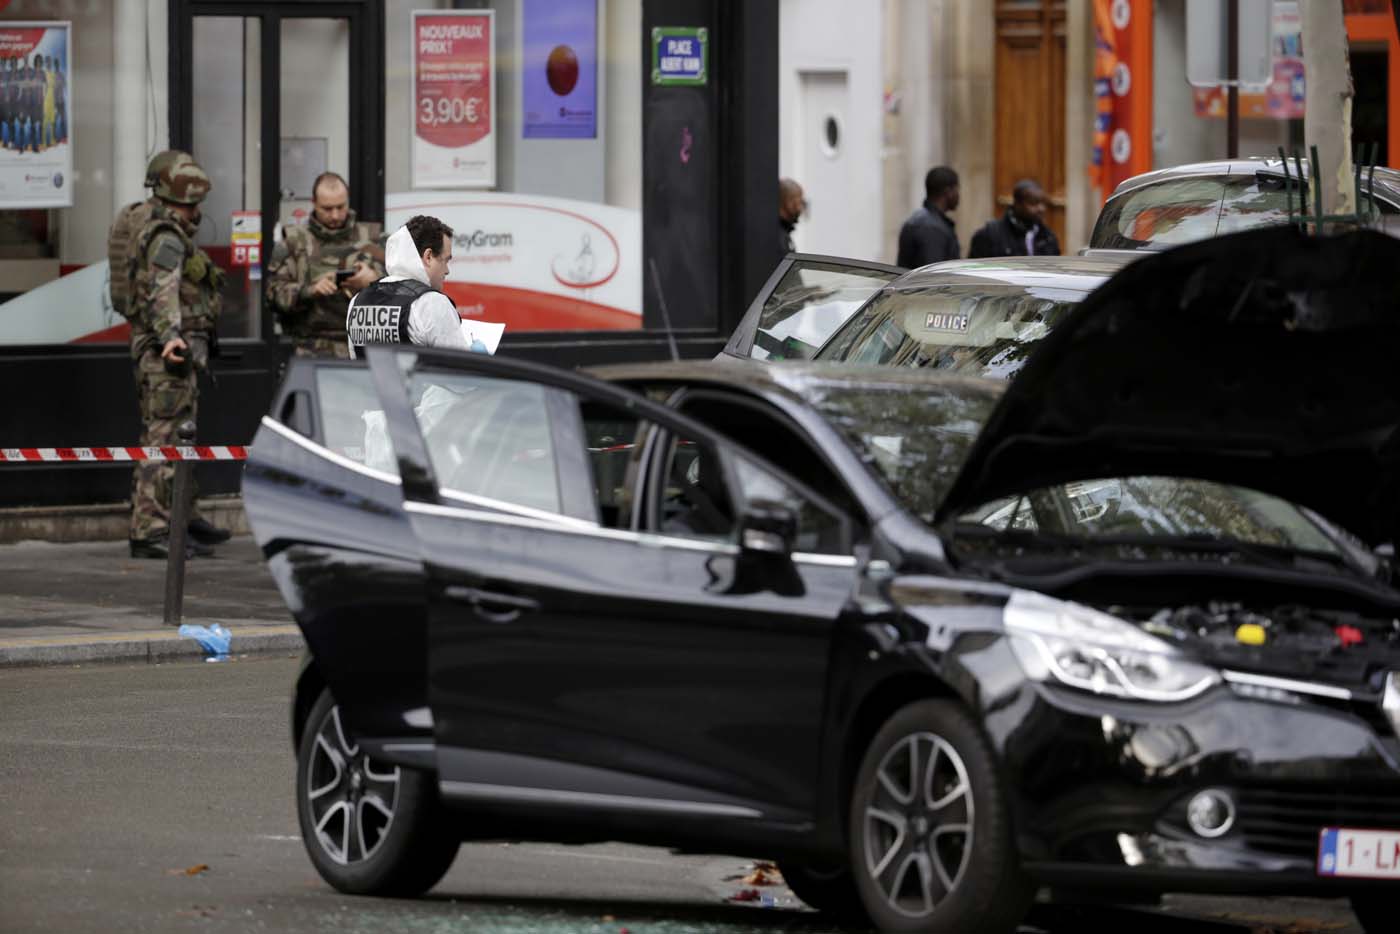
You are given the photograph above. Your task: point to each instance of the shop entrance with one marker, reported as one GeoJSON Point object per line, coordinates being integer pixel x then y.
{"type": "Point", "coordinates": [267, 96]}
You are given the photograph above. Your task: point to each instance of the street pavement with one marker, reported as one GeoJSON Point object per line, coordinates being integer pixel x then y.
{"type": "Point", "coordinates": [158, 798]}
{"type": "Point", "coordinates": [87, 602]}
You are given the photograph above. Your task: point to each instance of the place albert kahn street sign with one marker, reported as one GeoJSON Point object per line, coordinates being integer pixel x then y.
{"type": "Point", "coordinates": [679, 55]}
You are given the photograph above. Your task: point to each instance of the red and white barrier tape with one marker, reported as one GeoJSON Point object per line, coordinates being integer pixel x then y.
{"type": "Point", "coordinates": [228, 452]}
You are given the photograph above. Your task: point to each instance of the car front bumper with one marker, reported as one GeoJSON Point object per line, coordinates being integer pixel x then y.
{"type": "Point", "coordinates": [1100, 787]}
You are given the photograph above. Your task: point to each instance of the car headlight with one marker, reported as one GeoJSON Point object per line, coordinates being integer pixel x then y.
{"type": "Point", "coordinates": [1092, 651]}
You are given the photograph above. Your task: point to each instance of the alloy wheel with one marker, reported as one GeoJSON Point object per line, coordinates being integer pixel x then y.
{"type": "Point", "coordinates": [918, 824]}
{"type": "Point", "coordinates": [350, 798]}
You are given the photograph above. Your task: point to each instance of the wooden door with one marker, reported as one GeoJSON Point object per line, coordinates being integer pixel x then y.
{"type": "Point", "coordinates": [1030, 102]}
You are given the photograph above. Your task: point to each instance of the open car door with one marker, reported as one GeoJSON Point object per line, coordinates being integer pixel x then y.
{"type": "Point", "coordinates": [322, 495]}
{"type": "Point", "coordinates": [804, 302]}
{"type": "Point", "coordinates": [601, 638]}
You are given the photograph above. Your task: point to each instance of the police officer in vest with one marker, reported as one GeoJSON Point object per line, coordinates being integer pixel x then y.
{"type": "Point", "coordinates": [407, 306]}
{"type": "Point", "coordinates": [173, 290]}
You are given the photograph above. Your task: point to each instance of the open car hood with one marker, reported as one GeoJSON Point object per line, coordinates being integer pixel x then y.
{"type": "Point", "coordinates": [1265, 359]}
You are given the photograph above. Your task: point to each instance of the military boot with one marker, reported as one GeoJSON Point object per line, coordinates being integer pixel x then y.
{"type": "Point", "coordinates": [206, 532]}
{"type": "Point", "coordinates": [159, 547]}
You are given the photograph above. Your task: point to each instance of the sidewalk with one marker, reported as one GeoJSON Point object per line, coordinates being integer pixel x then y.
{"type": "Point", "coordinates": [89, 602]}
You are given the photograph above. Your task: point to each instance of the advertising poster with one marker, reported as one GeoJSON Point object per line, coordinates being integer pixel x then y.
{"type": "Point", "coordinates": [536, 263]}
{"type": "Point", "coordinates": [454, 99]}
{"type": "Point", "coordinates": [1122, 92]}
{"type": "Point", "coordinates": [36, 141]}
{"type": "Point", "coordinates": [559, 69]}
{"type": "Point", "coordinates": [1283, 100]}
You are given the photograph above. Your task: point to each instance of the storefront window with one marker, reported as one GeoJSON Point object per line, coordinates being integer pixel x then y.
{"type": "Point", "coordinates": [229, 50]}
{"type": "Point", "coordinates": [57, 198]}
{"type": "Point", "coordinates": [517, 122]}
{"type": "Point", "coordinates": [519, 125]}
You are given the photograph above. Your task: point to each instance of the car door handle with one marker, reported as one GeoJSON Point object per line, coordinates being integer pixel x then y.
{"type": "Point", "coordinates": [492, 605]}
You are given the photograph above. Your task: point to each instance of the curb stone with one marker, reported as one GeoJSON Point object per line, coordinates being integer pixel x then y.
{"type": "Point", "coordinates": [142, 646]}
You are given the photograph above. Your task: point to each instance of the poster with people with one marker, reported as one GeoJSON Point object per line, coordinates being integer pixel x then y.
{"type": "Point", "coordinates": [36, 139]}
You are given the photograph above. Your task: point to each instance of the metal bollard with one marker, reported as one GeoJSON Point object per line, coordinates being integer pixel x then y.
{"type": "Point", "coordinates": [179, 531]}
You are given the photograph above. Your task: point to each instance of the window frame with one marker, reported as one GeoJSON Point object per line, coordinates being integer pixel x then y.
{"type": "Point", "coordinates": [656, 469]}
{"type": "Point", "coordinates": [393, 365]}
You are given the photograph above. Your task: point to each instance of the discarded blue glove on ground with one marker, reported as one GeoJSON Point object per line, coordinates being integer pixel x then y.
{"type": "Point", "coordinates": [213, 639]}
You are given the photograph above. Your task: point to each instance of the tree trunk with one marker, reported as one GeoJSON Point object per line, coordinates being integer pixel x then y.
{"type": "Point", "coordinates": [1327, 123]}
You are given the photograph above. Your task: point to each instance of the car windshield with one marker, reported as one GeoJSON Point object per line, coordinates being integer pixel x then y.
{"type": "Point", "coordinates": [1142, 511]}
{"type": "Point", "coordinates": [974, 329]}
{"type": "Point", "coordinates": [916, 436]}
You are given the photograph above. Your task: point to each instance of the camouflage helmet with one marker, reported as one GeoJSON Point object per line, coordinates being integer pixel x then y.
{"type": "Point", "coordinates": [182, 181]}
{"type": "Point", "coordinates": [159, 161]}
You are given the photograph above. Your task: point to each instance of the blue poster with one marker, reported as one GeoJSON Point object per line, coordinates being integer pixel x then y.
{"type": "Point", "coordinates": [559, 69]}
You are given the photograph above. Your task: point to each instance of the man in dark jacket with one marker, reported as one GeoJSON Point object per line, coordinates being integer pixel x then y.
{"type": "Point", "coordinates": [1022, 230]}
{"type": "Point", "coordinates": [928, 235]}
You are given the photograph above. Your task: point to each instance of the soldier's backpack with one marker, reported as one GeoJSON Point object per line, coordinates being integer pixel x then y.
{"type": "Point", "coordinates": [121, 239]}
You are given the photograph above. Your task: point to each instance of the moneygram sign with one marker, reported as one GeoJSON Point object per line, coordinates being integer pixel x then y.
{"type": "Point", "coordinates": [536, 263]}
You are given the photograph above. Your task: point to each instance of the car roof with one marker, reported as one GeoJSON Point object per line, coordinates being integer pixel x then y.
{"type": "Point", "coordinates": [1387, 180]}
{"type": "Point", "coordinates": [1078, 273]}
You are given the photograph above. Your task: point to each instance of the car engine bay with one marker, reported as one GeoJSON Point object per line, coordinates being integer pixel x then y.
{"type": "Point", "coordinates": [1292, 640]}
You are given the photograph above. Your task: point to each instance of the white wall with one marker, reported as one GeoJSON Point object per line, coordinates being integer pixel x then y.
{"type": "Point", "coordinates": [1178, 135]}
{"type": "Point", "coordinates": [914, 139]}
{"type": "Point", "coordinates": [827, 35]}
{"type": "Point", "coordinates": [622, 110]}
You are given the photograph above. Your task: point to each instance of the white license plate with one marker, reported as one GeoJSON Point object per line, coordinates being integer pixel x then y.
{"type": "Point", "coordinates": [1367, 854]}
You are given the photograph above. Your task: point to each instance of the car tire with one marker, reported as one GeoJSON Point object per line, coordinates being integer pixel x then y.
{"type": "Point", "coordinates": [934, 853]}
{"type": "Point", "coordinates": [828, 889]}
{"type": "Point", "coordinates": [1375, 911]}
{"type": "Point", "coordinates": [370, 828]}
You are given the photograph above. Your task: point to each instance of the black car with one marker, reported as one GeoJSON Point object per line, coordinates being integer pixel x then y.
{"type": "Point", "coordinates": [930, 641]}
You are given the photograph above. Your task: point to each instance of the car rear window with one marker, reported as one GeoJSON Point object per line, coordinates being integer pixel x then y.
{"type": "Point", "coordinates": [1175, 211]}
{"type": "Point", "coordinates": [811, 302]}
{"type": "Point", "coordinates": [1186, 209]}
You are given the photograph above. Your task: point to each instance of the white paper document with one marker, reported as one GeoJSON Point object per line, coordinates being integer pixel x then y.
{"type": "Point", "coordinates": [488, 332]}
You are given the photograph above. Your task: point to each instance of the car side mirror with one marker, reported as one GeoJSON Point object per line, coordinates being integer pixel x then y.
{"type": "Point", "coordinates": [767, 528]}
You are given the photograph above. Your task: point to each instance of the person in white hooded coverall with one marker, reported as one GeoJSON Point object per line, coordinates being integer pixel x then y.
{"type": "Point", "coordinates": [407, 306]}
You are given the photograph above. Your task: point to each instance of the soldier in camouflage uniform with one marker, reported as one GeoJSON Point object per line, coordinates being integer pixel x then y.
{"type": "Point", "coordinates": [128, 225]}
{"type": "Point", "coordinates": [310, 304]}
{"type": "Point", "coordinates": [173, 290]}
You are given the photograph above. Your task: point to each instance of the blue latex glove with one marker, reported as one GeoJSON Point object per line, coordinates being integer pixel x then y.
{"type": "Point", "coordinates": [214, 639]}
{"type": "Point", "coordinates": [478, 346]}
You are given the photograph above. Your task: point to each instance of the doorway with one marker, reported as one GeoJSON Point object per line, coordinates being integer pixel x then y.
{"type": "Point", "coordinates": [281, 92]}
{"type": "Point", "coordinates": [824, 168]}
{"type": "Point", "coordinates": [1030, 104]}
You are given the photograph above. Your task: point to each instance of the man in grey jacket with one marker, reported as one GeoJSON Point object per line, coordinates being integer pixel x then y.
{"type": "Point", "coordinates": [928, 235]}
